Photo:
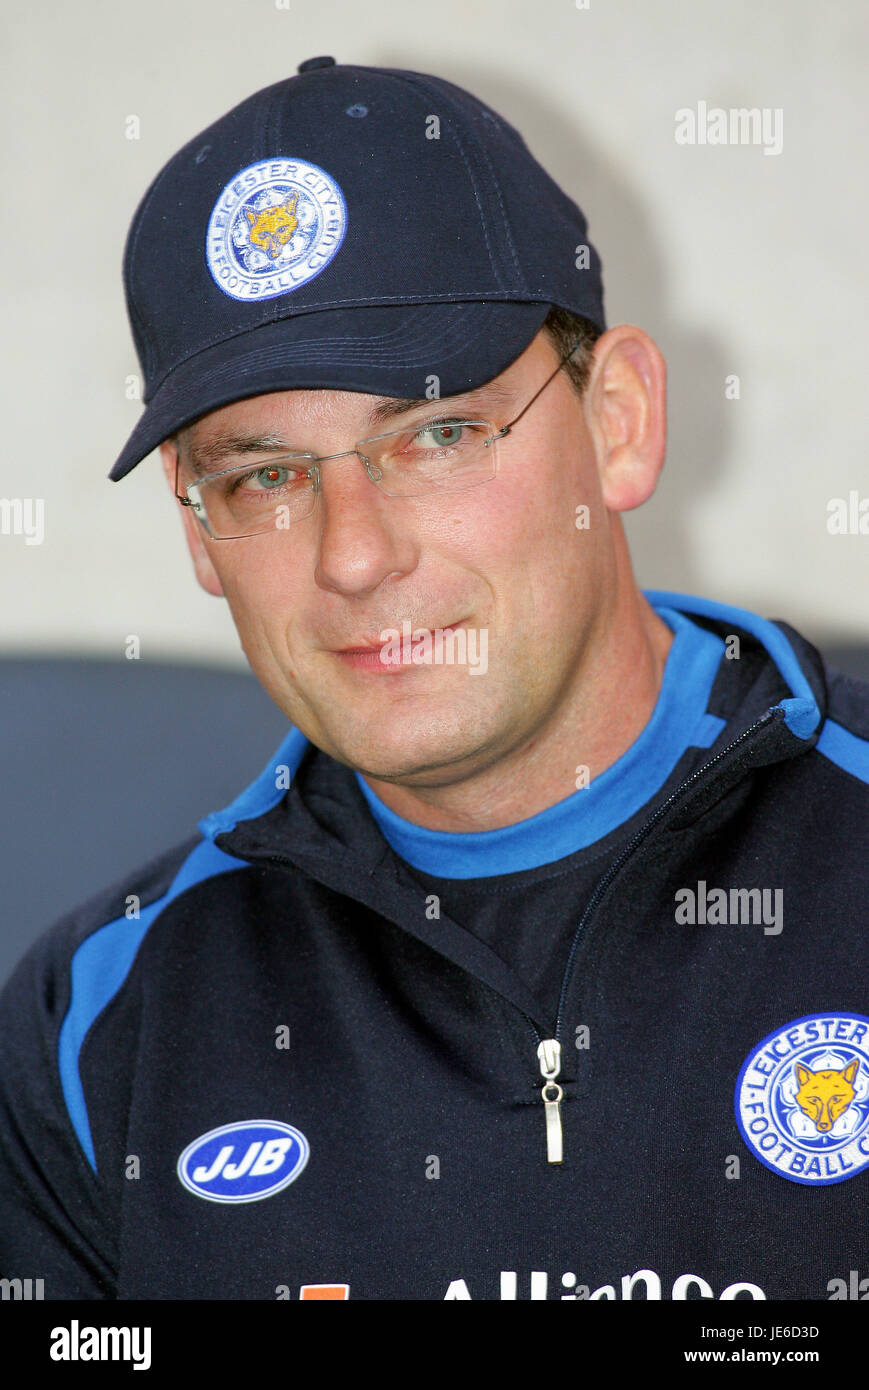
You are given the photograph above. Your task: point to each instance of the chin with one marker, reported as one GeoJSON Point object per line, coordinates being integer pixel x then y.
{"type": "Point", "coordinates": [419, 755]}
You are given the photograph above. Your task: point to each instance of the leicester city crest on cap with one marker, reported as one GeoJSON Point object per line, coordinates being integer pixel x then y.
{"type": "Point", "coordinates": [275, 226]}
{"type": "Point", "coordinates": [802, 1098]}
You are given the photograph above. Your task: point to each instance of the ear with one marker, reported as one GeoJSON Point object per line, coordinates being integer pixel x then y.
{"type": "Point", "coordinates": [626, 413]}
{"type": "Point", "coordinates": [197, 539]}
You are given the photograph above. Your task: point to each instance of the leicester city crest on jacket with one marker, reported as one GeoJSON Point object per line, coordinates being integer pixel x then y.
{"type": "Point", "coordinates": [802, 1098]}
{"type": "Point", "coordinates": [275, 226]}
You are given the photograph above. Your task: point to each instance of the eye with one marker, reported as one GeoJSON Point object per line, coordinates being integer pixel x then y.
{"type": "Point", "coordinates": [271, 476]}
{"type": "Point", "coordinates": [440, 435]}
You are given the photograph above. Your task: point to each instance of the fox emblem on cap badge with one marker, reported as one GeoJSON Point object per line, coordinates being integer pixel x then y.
{"type": "Point", "coordinates": [275, 226]}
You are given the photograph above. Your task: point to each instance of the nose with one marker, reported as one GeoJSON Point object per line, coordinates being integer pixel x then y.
{"type": "Point", "coordinates": [363, 534]}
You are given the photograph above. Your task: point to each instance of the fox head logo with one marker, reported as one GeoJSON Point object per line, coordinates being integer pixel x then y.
{"type": "Point", "coordinates": [825, 1095]}
{"type": "Point", "coordinates": [271, 228]}
{"type": "Point", "coordinates": [274, 226]}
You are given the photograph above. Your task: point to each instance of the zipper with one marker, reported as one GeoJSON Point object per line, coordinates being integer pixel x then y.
{"type": "Point", "coordinates": [549, 1049]}
{"type": "Point", "coordinates": [549, 1055]}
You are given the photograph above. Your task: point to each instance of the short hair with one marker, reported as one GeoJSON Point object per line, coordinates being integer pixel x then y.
{"type": "Point", "coordinates": [564, 329]}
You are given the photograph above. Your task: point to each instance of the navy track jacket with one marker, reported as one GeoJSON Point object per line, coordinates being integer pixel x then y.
{"type": "Point", "coordinates": [266, 1067]}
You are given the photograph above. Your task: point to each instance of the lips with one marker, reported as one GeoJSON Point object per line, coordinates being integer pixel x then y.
{"type": "Point", "coordinates": [379, 655]}
{"type": "Point", "coordinates": [376, 643]}
{"type": "Point", "coordinates": [366, 647]}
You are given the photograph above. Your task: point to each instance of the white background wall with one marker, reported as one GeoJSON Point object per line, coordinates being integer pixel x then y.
{"type": "Point", "coordinates": [734, 261]}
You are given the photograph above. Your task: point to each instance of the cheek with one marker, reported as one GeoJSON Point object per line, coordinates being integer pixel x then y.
{"type": "Point", "coordinates": [262, 599]}
{"type": "Point", "coordinates": [550, 532]}
{"type": "Point", "coordinates": [536, 504]}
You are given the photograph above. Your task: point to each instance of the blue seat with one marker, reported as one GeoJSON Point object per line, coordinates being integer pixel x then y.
{"type": "Point", "coordinates": [105, 764]}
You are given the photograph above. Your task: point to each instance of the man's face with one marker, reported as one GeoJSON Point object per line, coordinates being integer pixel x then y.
{"type": "Point", "coordinates": [505, 557]}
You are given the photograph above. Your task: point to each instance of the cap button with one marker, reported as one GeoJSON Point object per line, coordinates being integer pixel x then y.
{"type": "Point", "coordinates": [311, 63]}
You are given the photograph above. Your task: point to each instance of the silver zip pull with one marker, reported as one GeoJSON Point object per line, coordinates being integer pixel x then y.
{"type": "Point", "coordinates": [549, 1056]}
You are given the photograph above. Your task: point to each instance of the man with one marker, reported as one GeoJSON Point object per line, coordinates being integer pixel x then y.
{"type": "Point", "coordinates": [532, 964]}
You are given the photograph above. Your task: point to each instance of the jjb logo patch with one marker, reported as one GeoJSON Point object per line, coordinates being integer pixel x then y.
{"type": "Point", "coordinates": [802, 1099]}
{"type": "Point", "coordinates": [243, 1162]}
{"type": "Point", "coordinates": [276, 225]}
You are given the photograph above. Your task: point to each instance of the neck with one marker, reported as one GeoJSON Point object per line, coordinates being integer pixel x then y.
{"type": "Point", "coordinates": [607, 704]}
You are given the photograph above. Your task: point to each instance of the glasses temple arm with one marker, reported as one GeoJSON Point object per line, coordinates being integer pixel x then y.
{"type": "Point", "coordinates": [507, 428]}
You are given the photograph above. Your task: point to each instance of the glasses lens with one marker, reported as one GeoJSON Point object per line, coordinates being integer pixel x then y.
{"type": "Point", "coordinates": [440, 456]}
{"type": "Point", "coordinates": [245, 501]}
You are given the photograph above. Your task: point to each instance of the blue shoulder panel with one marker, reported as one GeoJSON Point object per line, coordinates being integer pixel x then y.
{"type": "Point", "coordinates": [801, 712]}
{"type": "Point", "coordinates": [844, 749]}
{"type": "Point", "coordinates": [264, 792]}
{"type": "Point", "coordinates": [101, 965]}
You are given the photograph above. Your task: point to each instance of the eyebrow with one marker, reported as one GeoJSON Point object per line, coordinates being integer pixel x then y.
{"type": "Point", "coordinates": [208, 455]}
{"type": "Point", "coordinates": [390, 407]}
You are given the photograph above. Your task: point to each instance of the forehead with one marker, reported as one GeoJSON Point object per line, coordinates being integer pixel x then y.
{"type": "Point", "coordinates": [304, 417]}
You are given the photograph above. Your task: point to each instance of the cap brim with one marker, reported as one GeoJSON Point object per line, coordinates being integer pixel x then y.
{"type": "Point", "coordinates": [384, 350]}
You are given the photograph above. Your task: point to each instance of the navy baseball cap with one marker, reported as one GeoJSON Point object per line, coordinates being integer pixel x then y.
{"type": "Point", "coordinates": [349, 228]}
